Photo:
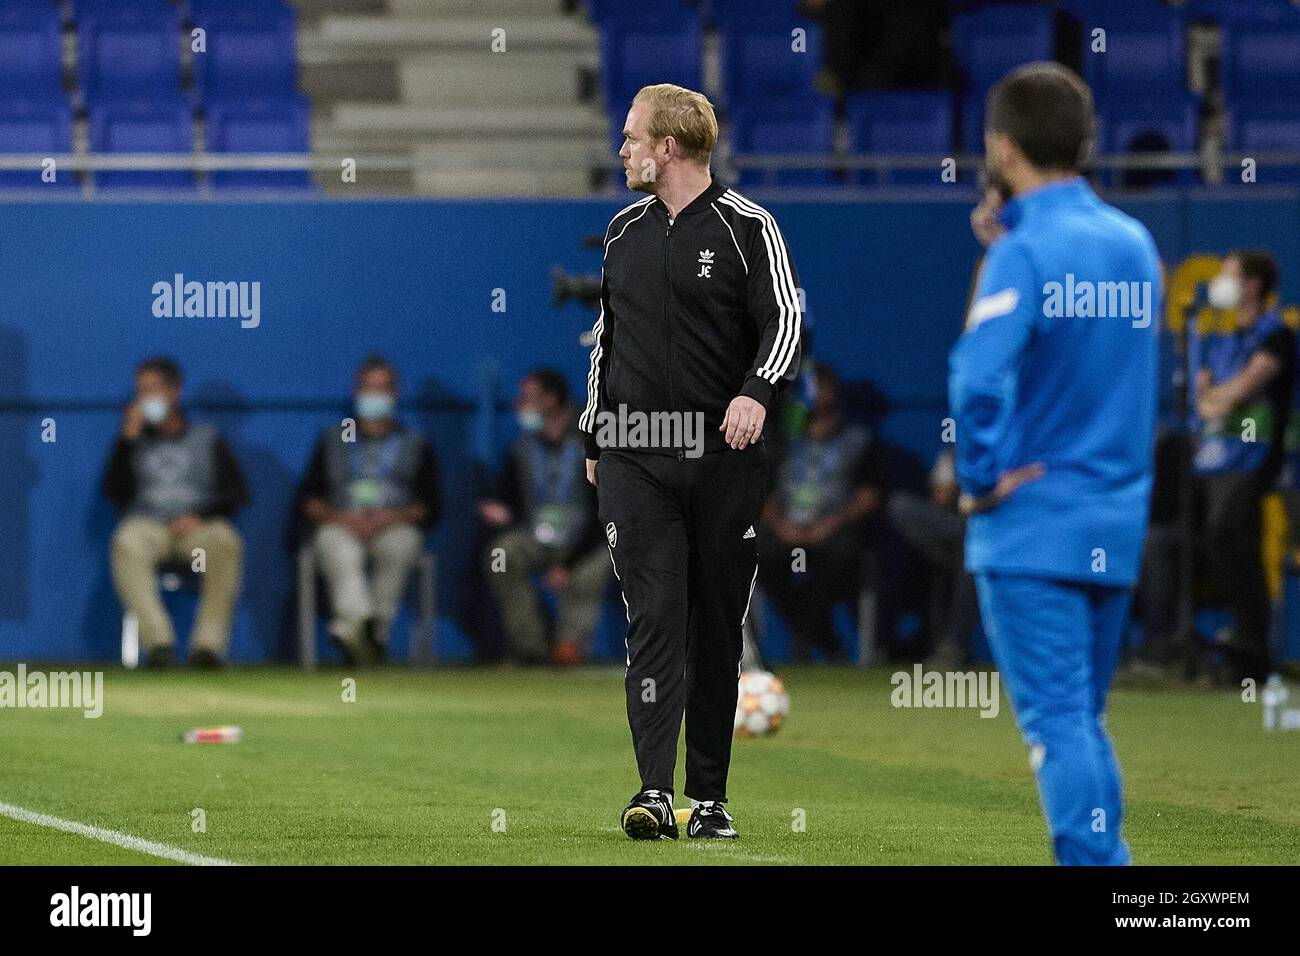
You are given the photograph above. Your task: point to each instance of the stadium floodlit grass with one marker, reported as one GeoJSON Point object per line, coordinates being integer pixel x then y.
{"type": "Point", "coordinates": [419, 768]}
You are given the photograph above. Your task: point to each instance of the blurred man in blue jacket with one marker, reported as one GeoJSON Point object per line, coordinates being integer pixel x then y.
{"type": "Point", "coordinates": [1243, 392]}
{"type": "Point", "coordinates": [1053, 388]}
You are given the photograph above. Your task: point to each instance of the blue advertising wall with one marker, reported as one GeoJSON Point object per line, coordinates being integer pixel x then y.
{"type": "Point", "coordinates": [886, 283]}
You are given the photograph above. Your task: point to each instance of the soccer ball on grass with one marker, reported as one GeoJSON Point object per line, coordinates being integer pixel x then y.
{"type": "Point", "coordinates": [761, 705]}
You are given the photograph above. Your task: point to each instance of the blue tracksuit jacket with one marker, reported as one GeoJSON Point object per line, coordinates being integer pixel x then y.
{"type": "Point", "coordinates": [1057, 364]}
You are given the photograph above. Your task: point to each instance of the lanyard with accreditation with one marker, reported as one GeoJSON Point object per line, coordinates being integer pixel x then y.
{"type": "Point", "coordinates": [370, 468]}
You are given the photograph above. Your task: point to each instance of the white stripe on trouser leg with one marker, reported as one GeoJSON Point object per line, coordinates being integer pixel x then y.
{"type": "Point", "coordinates": [752, 581]}
{"type": "Point", "coordinates": [627, 651]}
{"type": "Point", "coordinates": [743, 618]}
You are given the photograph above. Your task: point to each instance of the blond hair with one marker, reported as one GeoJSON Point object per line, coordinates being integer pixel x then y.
{"type": "Point", "coordinates": [684, 115]}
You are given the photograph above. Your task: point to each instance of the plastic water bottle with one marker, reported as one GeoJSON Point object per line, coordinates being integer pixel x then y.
{"type": "Point", "coordinates": [213, 735]}
{"type": "Point", "coordinates": [1274, 699]}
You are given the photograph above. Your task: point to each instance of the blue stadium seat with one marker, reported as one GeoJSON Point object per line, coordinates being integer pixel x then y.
{"type": "Point", "coordinates": [991, 41]}
{"type": "Point", "coordinates": [142, 127]}
{"type": "Point", "coordinates": [1273, 128]}
{"type": "Point", "coordinates": [31, 51]}
{"type": "Point", "coordinates": [1102, 13]}
{"type": "Point", "coordinates": [252, 50]}
{"type": "Point", "coordinates": [1146, 55]}
{"type": "Point", "coordinates": [41, 129]}
{"type": "Point", "coordinates": [972, 122]}
{"type": "Point", "coordinates": [197, 11]}
{"type": "Point", "coordinates": [1261, 59]}
{"type": "Point", "coordinates": [128, 52]}
{"type": "Point", "coordinates": [121, 8]}
{"type": "Point", "coordinates": [759, 64]}
{"type": "Point", "coordinates": [736, 12]}
{"type": "Point", "coordinates": [267, 126]}
{"type": "Point", "coordinates": [634, 55]}
{"type": "Point", "coordinates": [804, 127]}
{"type": "Point", "coordinates": [1221, 11]}
{"type": "Point", "coordinates": [1128, 125]}
{"type": "Point", "coordinates": [912, 121]}
{"type": "Point", "coordinates": [609, 12]}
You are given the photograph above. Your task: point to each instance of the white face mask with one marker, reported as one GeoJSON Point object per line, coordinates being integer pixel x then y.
{"type": "Point", "coordinates": [1224, 292]}
{"type": "Point", "coordinates": [154, 409]}
{"type": "Point", "coordinates": [530, 420]}
{"type": "Point", "coordinates": [375, 406]}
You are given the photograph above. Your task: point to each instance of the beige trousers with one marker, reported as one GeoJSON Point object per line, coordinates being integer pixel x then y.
{"type": "Point", "coordinates": [353, 598]}
{"type": "Point", "coordinates": [521, 617]}
{"type": "Point", "coordinates": [141, 544]}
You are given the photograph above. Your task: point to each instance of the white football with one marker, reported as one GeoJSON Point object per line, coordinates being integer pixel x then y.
{"type": "Point", "coordinates": [761, 705]}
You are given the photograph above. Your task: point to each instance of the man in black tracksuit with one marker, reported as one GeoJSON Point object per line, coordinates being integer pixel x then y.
{"type": "Point", "coordinates": [699, 327]}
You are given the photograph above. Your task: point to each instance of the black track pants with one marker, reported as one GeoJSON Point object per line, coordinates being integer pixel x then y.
{"type": "Point", "coordinates": [681, 541]}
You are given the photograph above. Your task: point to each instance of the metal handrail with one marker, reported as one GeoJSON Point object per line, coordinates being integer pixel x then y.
{"type": "Point", "coordinates": [203, 162]}
{"type": "Point", "coordinates": [1215, 167]}
{"type": "Point", "coordinates": [879, 162]}
{"type": "Point", "coordinates": [404, 162]}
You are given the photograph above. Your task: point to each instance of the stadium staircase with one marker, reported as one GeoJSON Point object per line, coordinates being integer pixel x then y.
{"type": "Point", "coordinates": [420, 78]}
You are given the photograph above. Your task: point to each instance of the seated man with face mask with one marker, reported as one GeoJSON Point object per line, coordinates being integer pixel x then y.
{"type": "Point", "coordinates": [176, 485]}
{"type": "Point", "coordinates": [371, 490]}
{"type": "Point", "coordinates": [818, 521]}
{"type": "Point", "coordinates": [547, 509]}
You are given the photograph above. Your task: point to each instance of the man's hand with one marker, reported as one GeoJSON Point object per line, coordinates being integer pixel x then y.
{"type": "Point", "coordinates": [591, 470]}
{"type": "Point", "coordinates": [132, 422]}
{"type": "Point", "coordinates": [743, 422]}
{"type": "Point", "coordinates": [381, 519]}
{"type": "Point", "coordinates": [355, 522]}
{"type": "Point", "coordinates": [798, 534]}
{"type": "Point", "coordinates": [1216, 401]}
{"type": "Point", "coordinates": [820, 531]}
{"type": "Point", "coordinates": [183, 525]}
{"type": "Point", "coordinates": [1008, 482]}
{"type": "Point", "coordinates": [786, 531]}
{"type": "Point", "coordinates": [944, 494]}
{"type": "Point", "coordinates": [495, 513]}
{"type": "Point", "coordinates": [1213, 402]}
{"type": "Point", "coordinates": [984, 219]}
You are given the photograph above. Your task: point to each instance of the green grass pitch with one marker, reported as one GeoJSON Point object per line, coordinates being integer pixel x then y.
{"type": "Point", "coordinates": [493, 766]}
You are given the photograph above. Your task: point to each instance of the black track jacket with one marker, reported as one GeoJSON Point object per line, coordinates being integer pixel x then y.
{"type": "Point", "coordinates": [693, 313]}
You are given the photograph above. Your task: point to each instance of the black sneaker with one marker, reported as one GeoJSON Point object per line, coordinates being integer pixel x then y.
{"type": "Point", "coordinates": [650, 816]}
{"type": "Point", "coordinates": [346, 652]}
{"type": "Point", "coordinates": [711, 821]}
{"type": "Point", "coordinates": [205, 660]}
{"type": "Point", "coordinates": [375, 649]}
{"type": "Point", "coordinates": [161, 658]}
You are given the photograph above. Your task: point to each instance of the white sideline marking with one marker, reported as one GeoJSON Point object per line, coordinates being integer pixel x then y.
{"type": "Point", "coordinates": [124, 840]}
